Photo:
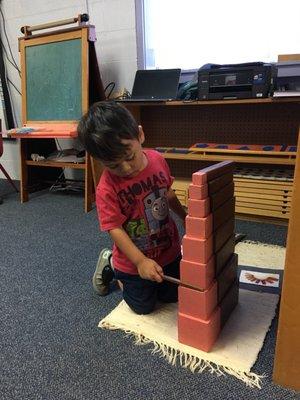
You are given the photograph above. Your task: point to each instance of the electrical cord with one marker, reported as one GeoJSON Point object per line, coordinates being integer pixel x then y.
{"type": "Point", "coordinates": [5, 52]}
{"type": "Point", "coordinates": [112, 84]}
{"type": "Point", "coordinates": [11, 115]}
{"type": "Point", "coordinates": [8, 80]}
{"type": "Point", "coordinates": [5, 33]}
{"type": "Point", "coordinates": [58, 144]}
{"type": "Point", "coordinates": [125, 95]}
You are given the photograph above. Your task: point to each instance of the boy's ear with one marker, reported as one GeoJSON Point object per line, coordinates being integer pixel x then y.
{"type": "Point", "coordinates": [141, 135]}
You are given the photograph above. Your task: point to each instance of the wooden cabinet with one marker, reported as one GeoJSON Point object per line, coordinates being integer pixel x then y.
{"type": "Point", "coordinates": [287, 355]}
{"type": "Point", "coordinates": [36, 175]}
{"type": "Point", "coordinates": [174, 127]}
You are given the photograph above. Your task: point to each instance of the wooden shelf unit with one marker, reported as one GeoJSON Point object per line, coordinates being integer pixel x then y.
{"type": "Point", "coordinates": [267, 121]}
{"type": "Point", "coordinates": [266, 157]}
{"type": "Point", "coordinates": [31, 174]}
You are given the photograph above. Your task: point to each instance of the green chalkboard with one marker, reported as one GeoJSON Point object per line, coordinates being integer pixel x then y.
{"type": "Point", "coordinates": [53, 81]}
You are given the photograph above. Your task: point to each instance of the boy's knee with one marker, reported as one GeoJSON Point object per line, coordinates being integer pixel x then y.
{"type": "Point", "coordinates": [142, 309]}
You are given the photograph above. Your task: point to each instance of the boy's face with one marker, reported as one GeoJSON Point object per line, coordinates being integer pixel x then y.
{"type": "Point", "coordinates": [133, 161]}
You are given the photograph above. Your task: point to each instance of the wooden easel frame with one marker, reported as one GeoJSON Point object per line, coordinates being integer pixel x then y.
{"type": "Point", "coordinates": [79, 32]}
{"type": "Point", "coordinates": [54, 37]}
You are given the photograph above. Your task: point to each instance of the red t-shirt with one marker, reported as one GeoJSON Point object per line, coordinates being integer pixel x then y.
{"type": "Point", "coordinates": [140, 206]}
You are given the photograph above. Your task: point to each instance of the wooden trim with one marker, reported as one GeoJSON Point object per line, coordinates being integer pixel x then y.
{"type": "Point", "coordinates": [245, 152]}
{"type": "Point", "coordinates": [267, 100]}
{"type": "Point", "coordinates": [85, 71]}
{"type": "Point", "coordinates": [55, 32]}
{"type": "Point", "coordinates": [257, 211]}
{"type": "Point", "coordinates": [267, 191]}
{"type": "Point", "coordinates": [35, 122]}
{"type": "Point", "coordinates": [97, 169]}
{"type": "Point", "coordinates": [287, 353]}
{"type": "Point", "coordinates": [265, 188]}
{"type": "Point", "coordinates": [52, 38]}
{"type": "Point", "coordinates": [280, 208]}
{"type": "Point", "coordinates": [256, 218]}
{"type": "Point", "coordinates": [289, 57]}
{"type": "Point", "coordinates": [268, 201]}
{"type": "Point", "coordinates": [241, 159]}
{"type": "Point", "coordinates": [256, 195]}
{"type": "Point", "coordinates": [263, 182]}
{"type": "Point", "coordinates": [27, 30]}
{"type": "Point", "coordinates": [55, 164]}
{"type": "Point", "coordinates": [88, 184]}
{"type": "Point", "coordinates": [24, 172]}
{"type": "Point", "coordinates": [23, 81]}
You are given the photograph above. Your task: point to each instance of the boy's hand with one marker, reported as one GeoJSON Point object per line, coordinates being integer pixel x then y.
{"type": "Point", "coordinates": [149, 269]}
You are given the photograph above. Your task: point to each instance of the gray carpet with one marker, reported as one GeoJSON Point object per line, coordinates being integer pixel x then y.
{"type": "Point", "coordinates": [50, 345]}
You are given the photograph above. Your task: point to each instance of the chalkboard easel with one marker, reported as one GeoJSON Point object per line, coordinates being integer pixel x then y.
{"type": "Point", "coordinates": [60, 78]}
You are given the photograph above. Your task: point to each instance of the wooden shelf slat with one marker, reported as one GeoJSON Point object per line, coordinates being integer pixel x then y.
{"type": "Point", "coordinates": [268, 100]}
{"type": "Point", "coordinates": [56, 164]}
{"type": "Point", "coordinates": [257, 196]}
{"type": "Point", "coordinates": [291, 154]}
{"type": "Point", "coordinates": [238, 181]}
{"type": "Point", "coordinates": [254, 200]}
{"type": "Point", "coordinates": [257, 211]}
{"type": "Point", "coordinates": [241, 159]}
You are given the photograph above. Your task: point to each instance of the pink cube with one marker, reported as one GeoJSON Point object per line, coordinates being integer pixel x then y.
{"type": "Point", "coordinates": [196, 249]}
{"type": "Point", "coordinates": [198, 192]}
{"type": "Point", "coordinates": [199, 227]}
{"type": "Point", "coordinates": [196, 303]}
{"type": "Point", "coordinates": [196, 274]}
{"type": "Point", "coordinates": [199, 333]}
{"type": "Point", "coordinates": [199, 208]}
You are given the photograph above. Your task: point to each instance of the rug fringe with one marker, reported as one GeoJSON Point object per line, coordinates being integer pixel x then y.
{"type": "Point", "coordinates": [194, 363]}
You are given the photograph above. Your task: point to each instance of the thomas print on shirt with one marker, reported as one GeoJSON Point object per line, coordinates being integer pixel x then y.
{"type": "Point", "coordinates": [134, 191]}
{"type": "Point", "coordinates": [156, 210]}
{"type": "Point", "coordinates": [150, 233]}
{"type": "Point", "coordinates": [157, 214]}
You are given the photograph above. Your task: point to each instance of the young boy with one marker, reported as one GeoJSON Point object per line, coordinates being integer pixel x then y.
{"type": "Point", "coordinates": [133, 199]}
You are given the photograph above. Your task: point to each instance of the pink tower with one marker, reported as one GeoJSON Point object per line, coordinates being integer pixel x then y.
{"type": "Point", "coordinates": [209, 263]}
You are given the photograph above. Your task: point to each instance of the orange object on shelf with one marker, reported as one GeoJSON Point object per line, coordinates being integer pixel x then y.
{"type": "Point", "coordinates": [45, 130]}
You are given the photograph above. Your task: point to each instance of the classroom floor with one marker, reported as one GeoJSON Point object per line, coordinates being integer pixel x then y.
{"type": "Point", "coordinates": [51, 347]}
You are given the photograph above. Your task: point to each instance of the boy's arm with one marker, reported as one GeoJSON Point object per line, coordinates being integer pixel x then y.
{"type": "Point", "coordinates": [175, 205]}
{"type": "Point", "coordinates": [147, 268]}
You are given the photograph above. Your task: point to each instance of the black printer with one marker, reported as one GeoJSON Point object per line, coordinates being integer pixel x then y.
{"type": "Point", "coordinates": [236, 81]}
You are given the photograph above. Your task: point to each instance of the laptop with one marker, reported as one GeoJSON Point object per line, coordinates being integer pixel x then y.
{"type": "Point", "coordinates": [155, 85]}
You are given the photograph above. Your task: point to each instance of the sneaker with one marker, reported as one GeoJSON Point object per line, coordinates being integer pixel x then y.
{"type": "Point", "coordinates": [103, 274]}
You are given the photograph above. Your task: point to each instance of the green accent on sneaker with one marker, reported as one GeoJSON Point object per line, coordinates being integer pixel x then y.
{"type": "Point", "coordinates": [103, 273]}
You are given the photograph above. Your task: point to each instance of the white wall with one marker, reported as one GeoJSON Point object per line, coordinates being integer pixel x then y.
{"type": "Point", "coordinates": [116, 45]}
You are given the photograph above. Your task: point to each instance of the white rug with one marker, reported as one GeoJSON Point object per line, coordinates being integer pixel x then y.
{"type": "Point", "coordinates": [240, 340]}
{"type": "Point", "coordinates": [235, 351]}
{"type": "Point", "coordinates": [261, 255]}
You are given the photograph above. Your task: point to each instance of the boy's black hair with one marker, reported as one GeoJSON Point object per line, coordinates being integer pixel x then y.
{"type": "Point", "coordinates": [103, 127]}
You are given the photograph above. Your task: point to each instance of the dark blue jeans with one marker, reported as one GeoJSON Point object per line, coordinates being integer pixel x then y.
{"type": "Point", "coordinates": [141, 294]}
